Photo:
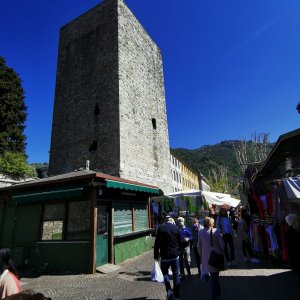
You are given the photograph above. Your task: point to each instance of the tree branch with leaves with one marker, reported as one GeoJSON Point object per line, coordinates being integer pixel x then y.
{"type": "Point", "coordinates": [252, 151]}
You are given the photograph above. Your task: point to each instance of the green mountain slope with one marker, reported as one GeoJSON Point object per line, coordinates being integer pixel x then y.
{"type": "Point", "coordinates": [210, 157]}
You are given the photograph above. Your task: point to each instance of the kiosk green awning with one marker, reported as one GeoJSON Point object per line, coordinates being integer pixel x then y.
{"type": "Point", "coordinates": [131, 187]}
{"type": "Point", "coordinates": [47, 195]}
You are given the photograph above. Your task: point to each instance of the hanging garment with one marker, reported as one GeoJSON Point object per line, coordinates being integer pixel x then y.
{"type": "Point", "coordinates": [258, 204]}
{"type": "Point", "coordinates": [292, 187]}
{"type": "Point", "coordinates": [155, 208]}
{"type": "Point", "coordinates": [277, 232]}
{"type": "Point", "coordinates": [263, 199]}
{"type": "Point", "coordinates": [283, 230]}
{"type": "Point", "coordinates": [256, 238]}
{"type": "Point", "coordinates": [269, 203]}
{"type": "Point", "coordinates": [267, 237]}
{"type": "Point", "coordinates": [284, 201]}
{"type": "Point", "coordinates": [273, 245]}
{"type": "Point", "coordinates": [280, 202]}
{"type": "Point", "coordinates": [263, 237]}
{"type": "Point", "coordinates": [177, 202]}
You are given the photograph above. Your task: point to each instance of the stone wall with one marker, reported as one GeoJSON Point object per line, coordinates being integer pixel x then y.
{"type": "Point", "coordinates": [144, 139]}
{"type": "Point", "coordinates": [86, 109]}
{"type": "Point", "coordinates": [108, 64]}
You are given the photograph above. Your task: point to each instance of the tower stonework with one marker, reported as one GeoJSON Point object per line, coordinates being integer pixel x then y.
{"type": "Point", "coordinates": [109, 100]}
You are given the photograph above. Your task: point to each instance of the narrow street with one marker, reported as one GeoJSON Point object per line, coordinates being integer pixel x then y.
{"type": "Point", "coordinates": [262, 281]}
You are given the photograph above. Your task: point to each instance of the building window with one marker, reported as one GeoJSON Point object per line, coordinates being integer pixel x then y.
{"type": "Point", "coordinates": [96, 110]}
{"type": "Point", "coordinates": [66, 221]}
{"type": "Point", "coordinates": [93, 146]}
{"type": "Point", "coordinates": [141, 221]}
{"type": "Point", "coordinates": [53, 222]}
{"type": "Point", "coordinates": [125, 222]}
{"type": "Point", "coordinates": [122, 218]}
{"type": "Point", "coordinates": [79, 220]}
{"type": "Point", "coordinates": [154, 123]}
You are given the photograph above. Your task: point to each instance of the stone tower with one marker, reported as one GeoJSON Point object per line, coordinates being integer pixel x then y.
{"type": "Point", "coordinates": [109, 104]}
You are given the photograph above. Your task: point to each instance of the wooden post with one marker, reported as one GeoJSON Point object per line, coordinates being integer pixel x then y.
{"type": "Point", "coordinates": [150, 225]}
{"type": "Point", "coordinates": [93, 198]}
{"type": "Point", "coordinates": [132, 215]}
{"type": "Point", "coordinates": [112, 233]}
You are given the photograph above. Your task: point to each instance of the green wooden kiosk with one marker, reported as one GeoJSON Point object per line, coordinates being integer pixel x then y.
{"type": "Point", "coordinates": [76, 221]}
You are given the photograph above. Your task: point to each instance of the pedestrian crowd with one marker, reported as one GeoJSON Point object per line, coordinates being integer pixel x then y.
{"type": "Point", "coordinates": [211, 239]}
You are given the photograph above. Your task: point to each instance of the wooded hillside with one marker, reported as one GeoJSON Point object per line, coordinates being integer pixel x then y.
{"type": "Point", "coordinates": [209, 157]}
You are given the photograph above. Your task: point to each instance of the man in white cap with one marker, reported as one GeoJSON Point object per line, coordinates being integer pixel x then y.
{"type": "Point", "coordinates": [167, 248]}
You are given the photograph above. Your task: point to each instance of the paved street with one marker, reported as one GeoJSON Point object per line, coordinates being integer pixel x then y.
{"type": "Point", "coordinates": [132, 282]}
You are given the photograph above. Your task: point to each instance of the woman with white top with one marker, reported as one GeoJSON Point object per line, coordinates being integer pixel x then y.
{"type": "Point", "coordinates": [209, 238]}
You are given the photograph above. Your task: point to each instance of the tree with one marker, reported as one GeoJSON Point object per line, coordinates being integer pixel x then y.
{"type": "Point", "coordinates": [14, 164]}
{"type": "Point", "coordinates": [253, 151]}
{"type": "Point", "coordinates": [12, 111]}
{"type": "Point", "coordinates": [219, 181]}
{"type": "Point", "coordinates": [12, 124]}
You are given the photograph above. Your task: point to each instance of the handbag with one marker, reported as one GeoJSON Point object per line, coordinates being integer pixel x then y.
{"type": "Point", "coordinates": [216, 260]}
{"type": "Point", "coordinates": [156, 273]}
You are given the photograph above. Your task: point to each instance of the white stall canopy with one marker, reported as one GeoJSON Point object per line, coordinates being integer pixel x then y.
{"type": "Point", "coordinates": [220, 199]}
{"type": "Point", "coordinates": [185, 193]}
{"type": "Point", "coordinates": [210, 197]}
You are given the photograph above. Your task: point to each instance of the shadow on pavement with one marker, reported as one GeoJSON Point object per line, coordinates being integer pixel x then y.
{"type": "Point", "coordinates": [33, 273]}
{"type": "Point", "coordinates": [143, 298]}
{"type": "Point", "coordinates": [236, 287]}
{"type": "Point", "coordinates": [140, 275]}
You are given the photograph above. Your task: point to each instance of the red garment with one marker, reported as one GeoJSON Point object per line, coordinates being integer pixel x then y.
{"type": "Point", "coordinates": [258, 204]}
{"type": "Point", "coordinates": [269, 203]}
{"type": "Point", "coordinates": [283, 230]}
{"type": "Point", "coordinates": [263, 236]}
{"type": "Point", "coordinates": [268, 242]}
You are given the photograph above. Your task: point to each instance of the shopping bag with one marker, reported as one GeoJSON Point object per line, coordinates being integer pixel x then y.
{"type": "Point", "coordinates": [216, 260]}
{"type": "Point", "coordinates": [156, 273]}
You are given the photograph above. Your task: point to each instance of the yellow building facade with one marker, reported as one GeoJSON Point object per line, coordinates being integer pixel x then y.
{"type": "Point", "coordinates": [183, 177]}
{"type": "Point", "coordinates": [190, 179]}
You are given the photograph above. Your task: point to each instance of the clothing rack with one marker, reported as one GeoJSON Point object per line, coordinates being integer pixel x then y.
{"type": "Point", "coordinates": [267, 221]}
{"type": "Point", "coordinates": [275, 181]}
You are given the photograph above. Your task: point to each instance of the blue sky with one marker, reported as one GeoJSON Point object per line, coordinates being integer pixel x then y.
{"type": "Point", "coordinates": [231, 67]}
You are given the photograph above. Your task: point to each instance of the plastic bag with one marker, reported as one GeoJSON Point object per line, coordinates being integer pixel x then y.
{"type": "Point", "coordinates": [156, 273]}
